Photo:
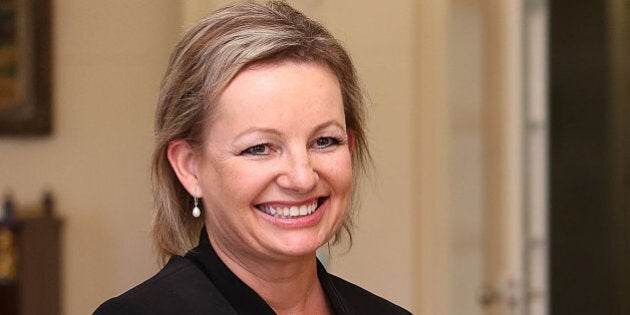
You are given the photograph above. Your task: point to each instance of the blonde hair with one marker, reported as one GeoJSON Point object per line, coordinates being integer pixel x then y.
{"type": "Point", "coordinates": [207, 57]}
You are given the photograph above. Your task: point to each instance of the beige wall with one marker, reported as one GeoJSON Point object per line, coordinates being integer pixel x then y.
{"type": "Point", "coordinates": [109, 57]}
{"type": "Point", "coordinates": [379, 36]}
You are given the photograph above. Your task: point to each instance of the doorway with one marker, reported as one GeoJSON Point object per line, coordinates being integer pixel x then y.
{"type": "Point", "coordinates": [590, 162]}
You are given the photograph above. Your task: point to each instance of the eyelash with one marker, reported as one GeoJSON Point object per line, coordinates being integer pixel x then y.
{"type": "Point", "coordinates": [333, 142]}
{"type": "Point", "coordinates": [252, 150]}
{"type": "Point", "coordinates": [266, 147]}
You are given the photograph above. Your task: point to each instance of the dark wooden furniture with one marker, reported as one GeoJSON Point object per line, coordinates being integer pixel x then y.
{"type": "Point", "coordinates": [37, 287]}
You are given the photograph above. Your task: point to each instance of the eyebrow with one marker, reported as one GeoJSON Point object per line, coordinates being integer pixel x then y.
{"type": "Point", "coordinates": [327, 124]}
{"type": "Point", "coordinates": [275, 132]}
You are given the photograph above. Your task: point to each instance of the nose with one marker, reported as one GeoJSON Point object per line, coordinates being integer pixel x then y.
{"type": "Point", "coordinates": [298, 173]}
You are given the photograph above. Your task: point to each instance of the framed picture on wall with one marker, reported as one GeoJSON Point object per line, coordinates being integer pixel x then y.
{"type": "Point", "coordinates": [25, 67]}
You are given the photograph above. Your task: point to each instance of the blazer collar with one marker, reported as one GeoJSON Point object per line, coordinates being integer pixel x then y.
{"type": "Point", "coordinates": [240, 296]}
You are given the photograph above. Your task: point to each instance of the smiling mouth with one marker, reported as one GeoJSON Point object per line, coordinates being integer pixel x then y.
{"type": "Point", "coordinates": [290, 212]}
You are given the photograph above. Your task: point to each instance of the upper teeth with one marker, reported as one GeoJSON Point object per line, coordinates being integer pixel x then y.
{"type": "Point", "coordinates": [289, 212]}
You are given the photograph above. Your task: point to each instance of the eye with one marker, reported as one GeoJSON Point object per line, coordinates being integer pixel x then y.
{"type": "Point", "coordinates": [259, 149]}
{"type": "Point", "coordinates": [325, 142]}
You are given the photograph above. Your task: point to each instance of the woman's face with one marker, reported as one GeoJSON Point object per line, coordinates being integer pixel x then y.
{"type": "Point", "coordinates": [275, 170]}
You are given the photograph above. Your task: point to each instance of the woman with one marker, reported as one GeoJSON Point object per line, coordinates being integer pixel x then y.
{"type": "Point", "coordinates": [259, 131]}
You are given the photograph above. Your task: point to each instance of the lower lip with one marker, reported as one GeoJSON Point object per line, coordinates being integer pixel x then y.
{"type": "Point", "coordinates": [299, 222]}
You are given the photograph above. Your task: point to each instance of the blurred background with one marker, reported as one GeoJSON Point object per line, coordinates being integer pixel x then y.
{"type": "Point", "coordinates": [499, 130]}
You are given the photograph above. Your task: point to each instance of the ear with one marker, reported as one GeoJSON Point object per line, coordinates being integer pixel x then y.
{"type": "Point", "coordinates": [351, 140]}
{"type": "Point", "coordinates": [183, 159]}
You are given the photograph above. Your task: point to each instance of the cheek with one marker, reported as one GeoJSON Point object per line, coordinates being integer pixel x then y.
{"type": "Point", "coordinates": [339, 171]}
{"type": "Point", "coordinates": [239, 182]}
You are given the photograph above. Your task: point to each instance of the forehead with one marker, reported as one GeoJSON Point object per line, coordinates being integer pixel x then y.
{"type": "Point", "coordinates": [288, 88]}
{"type": "Point", "coordinates": [305, 68]}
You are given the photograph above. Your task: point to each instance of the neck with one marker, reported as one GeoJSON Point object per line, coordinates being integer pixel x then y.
{"type": "Point", "coordinates": [288, 286]}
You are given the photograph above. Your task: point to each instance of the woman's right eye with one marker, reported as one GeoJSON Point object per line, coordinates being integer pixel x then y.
{"type": "Point", "coordinates": [259, 149]}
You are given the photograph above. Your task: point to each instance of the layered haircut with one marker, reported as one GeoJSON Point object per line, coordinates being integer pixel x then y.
{"type": "Point", "coordinates": [206, 59]}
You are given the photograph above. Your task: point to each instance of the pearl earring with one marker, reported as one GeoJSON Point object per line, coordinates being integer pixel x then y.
{"type": "Point", "coordinates": [196, 212]}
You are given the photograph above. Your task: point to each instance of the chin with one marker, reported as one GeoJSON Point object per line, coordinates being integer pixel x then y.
{"type": "Point", "coordinates": [293, 248]}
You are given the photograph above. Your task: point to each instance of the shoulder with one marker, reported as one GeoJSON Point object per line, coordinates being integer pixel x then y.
{"type": "Point", "coordinates": [361, 301]}
{"type": "Point", "coordinates": [180, 287]}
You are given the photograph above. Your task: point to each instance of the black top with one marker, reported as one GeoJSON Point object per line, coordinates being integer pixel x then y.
{"type": "Point", "coordinates": [200, 283]}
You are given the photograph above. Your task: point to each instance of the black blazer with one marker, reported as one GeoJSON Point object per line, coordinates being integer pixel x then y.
{"type": "Point", "coordinates": [182, 287]}
{"type": "Point", "coordinates": [200, 283]}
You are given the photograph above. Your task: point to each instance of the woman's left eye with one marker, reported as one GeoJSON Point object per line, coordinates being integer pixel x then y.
{"type": "Point", "coordinates": [325, 142]}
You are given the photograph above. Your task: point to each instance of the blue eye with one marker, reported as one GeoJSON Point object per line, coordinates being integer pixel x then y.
{"type": "Point", "coordinates": [259, 149]}
{"type": "Point", "coordinates": [325, 142]}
